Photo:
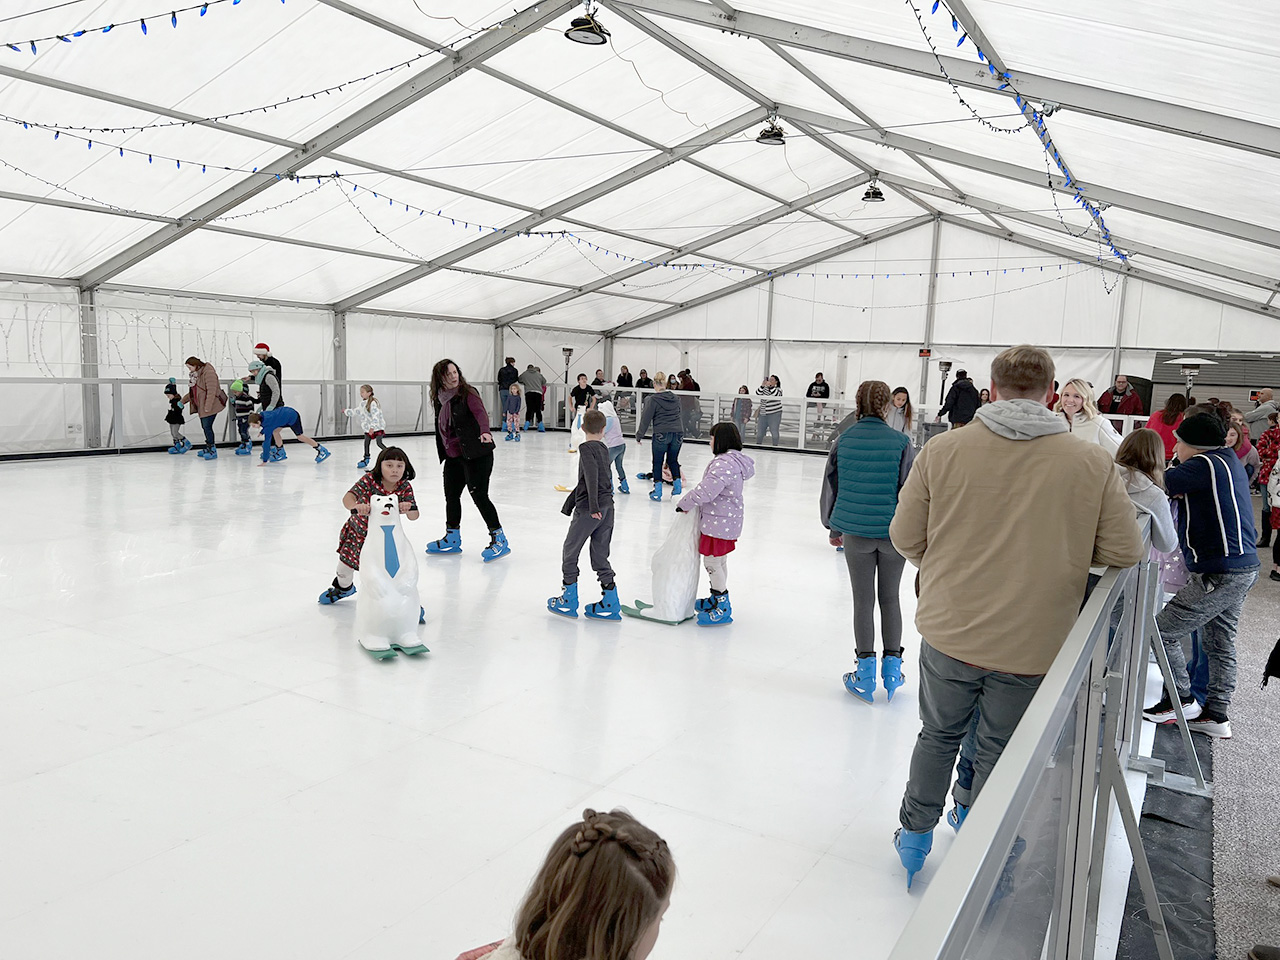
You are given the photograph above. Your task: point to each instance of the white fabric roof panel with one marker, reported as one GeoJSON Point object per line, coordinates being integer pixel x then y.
{"type": "Point", "coordinates": [453, 294]}
{"type": "Point", "coordinates": [1173, 50]}
{"type": "Point", "coordinates": [649, 96]}
{"type": "Point", "coordinates": [593, 312]}
{"type": "Point", "coordinates": [244, 267]}
{"type": "Point", "coordinates": [54, 242]}
{"type": "Point", "coordinates": [482, 134]}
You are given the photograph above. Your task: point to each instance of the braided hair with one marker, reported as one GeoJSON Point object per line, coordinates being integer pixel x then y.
{"type": "Point", "coordinates": [606, 879]}
{"type": "Point", "coordinates": [872, 399]}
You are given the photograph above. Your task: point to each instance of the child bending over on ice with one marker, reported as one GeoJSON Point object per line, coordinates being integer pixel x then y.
{"type": "Point", "coordinates": [390, 476]}
{"type": "Point", "coordinates": [719, 495]}
{"type": "Point", "coordinates": [600, 894]}
{"type": "Point", "coordinates": [272, 422]}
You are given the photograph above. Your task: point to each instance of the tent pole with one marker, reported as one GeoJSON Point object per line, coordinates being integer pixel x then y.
{"type": "Point", "coordinates": [91, 409]}
{"type": "Point", "coordinates": [930, 308]}
{"type": "Point", "coordinates": [768, 335]}
{"type": "Point", "coordinates": [1115, 354]}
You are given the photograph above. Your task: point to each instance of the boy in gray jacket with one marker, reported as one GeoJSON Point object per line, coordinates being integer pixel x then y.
{"type": "Point", "coordinates": [590, 507]}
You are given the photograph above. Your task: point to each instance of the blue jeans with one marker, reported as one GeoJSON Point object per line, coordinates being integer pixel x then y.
{"type": "Point", "coordinates": [242, 424]}
{"type": "Point", "coordinates": [615, 456]}
{"type": "Point", "coordinates": [666, 445]}
{"type": "Point", "coordinates": [768, 423]}
{"type": "Point", "coordinates": [207, 424]}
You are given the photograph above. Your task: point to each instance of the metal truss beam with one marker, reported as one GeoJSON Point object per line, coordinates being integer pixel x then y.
{"type": "Point", "coordinates": [582, 197]}
{"type": "Point", "coordinates": [1160, 209]}
{"type": "Point", "coordinates": [674, 253]}
{"type": "Point", "coordinates": [389, 104]}
{"type": "Point", "coordinates": [870, 238]}
{"type": "Point", "coordinates": [1094, 101]}
{"type": "Point", "coordinates": [563, 104]}
{"type": "Point", "coordinates": [1138, 273]}
{"type": "Point", "coordinates": [1131, 247]}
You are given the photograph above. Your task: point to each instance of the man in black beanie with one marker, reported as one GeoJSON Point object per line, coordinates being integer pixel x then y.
{"type": "Point", "coordinates": [1217, 536]}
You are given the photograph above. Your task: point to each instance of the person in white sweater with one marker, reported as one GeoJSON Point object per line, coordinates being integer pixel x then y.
{"type": "Point", "coordinates": [372, 422]}
{"type": "Point", "coordinates": [1078, 407]}
{"type": "Point", "coordinates": [1140, 460]}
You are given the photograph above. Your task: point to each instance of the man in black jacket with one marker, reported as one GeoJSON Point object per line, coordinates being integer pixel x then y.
{"type": "Point", "coordinates": [507, 375]}
{"type": "Point", "coordinates": [962, 401]}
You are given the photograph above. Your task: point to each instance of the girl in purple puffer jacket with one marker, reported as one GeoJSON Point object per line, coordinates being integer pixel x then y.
{"type": "Point", "coordinates": [719, 495]}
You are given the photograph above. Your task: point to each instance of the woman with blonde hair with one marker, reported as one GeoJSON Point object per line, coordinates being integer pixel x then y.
{"type": "Point", "coordinates": [1078, 406]}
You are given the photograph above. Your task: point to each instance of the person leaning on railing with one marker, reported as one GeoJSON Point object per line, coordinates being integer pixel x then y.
{"type": "Point", "coordinates": [1004, 520]}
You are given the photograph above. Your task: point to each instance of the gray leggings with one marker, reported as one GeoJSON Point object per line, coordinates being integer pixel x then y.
{"type": "Point", "coordinates": [875, 570]}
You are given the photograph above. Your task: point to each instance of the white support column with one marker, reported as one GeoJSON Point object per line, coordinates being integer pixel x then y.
{"type": "Point", "coordinates": [91, 403]}
{"type": "Point", "coordinates": [930, 309]}
{"type": "Point", "coordinates": [1115, 354]}
{"type": "Point", "coordinates": [608, 358]}
{"type": "Point", "coordinates": [341, 392]}
{"type": "Point", "coordinates": [768, 334]}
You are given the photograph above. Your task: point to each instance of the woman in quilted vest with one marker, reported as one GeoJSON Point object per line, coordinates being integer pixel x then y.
{"type": "Point", "coordinates": [867, 467]}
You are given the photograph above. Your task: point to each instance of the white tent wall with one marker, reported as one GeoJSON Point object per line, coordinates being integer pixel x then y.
{"type": "Point", "coordinates": [542, 348]}
{"type": "Point", "coordinates": [382, 348]}
{"type": "Point", "coordinates": [39, 337]}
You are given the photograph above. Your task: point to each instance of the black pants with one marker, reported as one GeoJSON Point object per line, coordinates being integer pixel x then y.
{"type": "Point", "coordinates": [1266, 522]}
{"type": "Point", "coordinates": [367, 438]}
{"type": "Point", "coordinates": [472, 475]}
{"type": "Point", "coordinates": [533, 407]}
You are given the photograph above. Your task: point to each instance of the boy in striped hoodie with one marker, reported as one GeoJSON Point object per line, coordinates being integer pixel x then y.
{"type": "Point", "coordinates": [1217, 536]}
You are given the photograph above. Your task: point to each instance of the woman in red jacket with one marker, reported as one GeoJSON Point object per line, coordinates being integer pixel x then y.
{"type": "Point", "coordinates": [1165, 421]}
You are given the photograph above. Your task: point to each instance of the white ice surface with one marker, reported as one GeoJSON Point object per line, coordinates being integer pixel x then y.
{"type": "Point", "coordinates": [197, 759]}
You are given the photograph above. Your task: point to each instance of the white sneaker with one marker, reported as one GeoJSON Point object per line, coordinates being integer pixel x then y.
{"type": "Point", "coordinates": [1210, 726]}
{"type": "Point", "coordinates": [1163, 711]}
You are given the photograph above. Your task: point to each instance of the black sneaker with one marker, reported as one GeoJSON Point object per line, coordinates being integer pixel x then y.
{"type": "Point", "coordinates": [1162, 712]}
{"type": "Point", "coordinates": [1211, 725]}
{"type": "Point", "coordinates": [1275, 574]}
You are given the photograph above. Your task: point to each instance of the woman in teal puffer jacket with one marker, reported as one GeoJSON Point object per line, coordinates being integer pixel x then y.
{"type": "Point", "coordinates": [867, 467]}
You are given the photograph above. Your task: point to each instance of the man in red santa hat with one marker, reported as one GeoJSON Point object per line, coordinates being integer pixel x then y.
{"type": "Point", "coordinates": [263, 353]}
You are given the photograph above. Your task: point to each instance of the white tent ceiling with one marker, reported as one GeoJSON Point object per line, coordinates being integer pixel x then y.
{"type": "Point", "coordinates": [635, 165]}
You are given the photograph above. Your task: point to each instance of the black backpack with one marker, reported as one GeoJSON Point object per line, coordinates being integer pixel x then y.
{"type": "Point", "coordinates": [1272, 669]}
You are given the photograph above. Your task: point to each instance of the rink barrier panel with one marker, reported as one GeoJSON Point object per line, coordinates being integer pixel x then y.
{"type": "Point", "coordinates": [62, 417]}
{"type": "Point", "coordinates": [1061, 775]}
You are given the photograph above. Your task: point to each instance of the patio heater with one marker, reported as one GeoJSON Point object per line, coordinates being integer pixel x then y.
{"type": "Point", "coordinates": [1191, 369]}
{"type": "Point", "coordinates": [568, 411]}
{"type": "Point", "coordinates": [944, 367]}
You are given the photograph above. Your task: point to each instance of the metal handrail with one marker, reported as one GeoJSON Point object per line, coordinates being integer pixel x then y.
{"type": "Point", "coordinates": [953, 906]}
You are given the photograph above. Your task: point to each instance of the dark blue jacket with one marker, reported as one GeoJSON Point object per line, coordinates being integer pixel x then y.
{"type": "Point", "coordinates": [1215, 514]}
{"type": "Point", "coordinates": [867, 467]}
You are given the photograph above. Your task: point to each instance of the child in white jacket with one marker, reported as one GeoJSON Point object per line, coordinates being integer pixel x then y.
{"type": "Point", "coordinates": [372, 422]}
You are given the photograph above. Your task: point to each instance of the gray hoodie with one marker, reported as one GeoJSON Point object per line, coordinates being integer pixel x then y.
{"type": "Point", "coordinates": [663, 409]}
{"type": "Point", "coordinates": [1154, 502]}
{"type": "Point", "coordinates": [1020, 419]}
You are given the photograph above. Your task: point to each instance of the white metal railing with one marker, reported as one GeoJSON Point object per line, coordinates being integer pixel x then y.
{"type": "Point", "coordinates": [128, 413]}
{"type": "Point", "coordinates": [1024, 876]}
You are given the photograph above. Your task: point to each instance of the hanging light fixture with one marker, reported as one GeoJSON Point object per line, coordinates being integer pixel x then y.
{"type": "Point", "coordinates": [874, 194]}
{"type": "Point", "coordinates": [772, 135]}
{"type": "Point", "coordinates": [586, 29]}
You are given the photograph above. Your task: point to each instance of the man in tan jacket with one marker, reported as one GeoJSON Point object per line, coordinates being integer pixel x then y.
{"type": "Point", "coordinates": [1004, 521]}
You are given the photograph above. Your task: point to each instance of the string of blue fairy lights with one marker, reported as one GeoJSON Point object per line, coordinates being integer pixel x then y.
{"type": "Point", "coordinates": [1036, 121]}
{"type": "Point", "coordinates": [33, 43]}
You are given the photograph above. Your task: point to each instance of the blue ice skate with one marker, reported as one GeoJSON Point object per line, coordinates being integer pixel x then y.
{"type": "Point", "coordinates": [566, 605]}
{"type": "Point", "coordinates": [720, 612]}
{"type": "Point", "coordinates": [890, 673]}
{"type": "Point", "coordinates": [607, 608]}
{"type": "Point", "coordinates": [542, 428]}
{"type": "Point", "coordinates": [180, 446]}
{"type": "Point", "coordinates": [497, 548]}
{"type": "Point", "coordinates": [451, 542]}
{"type": "Point", "coordinates": [912, 848]}
{"type": "Point", "coordinates": [657, 491]}
{"type": "Point", "coordinates": [208, 453]}
{"type": "Point", "coordinates": [526, 425]}
{"type": "Point", "coordinates": [363, 464]}
{"type": "Point", "coordinates": [862, 682]}
{"type": "Point", "coordinates": [622, 486]}
{"type": "Point", "coordinates": [337, 592]}
{"type": "Point", "coordinates": [676, 488]}
{"type": "Point", "coordinates": [322, 454]}
{"type": "Point", "coordinates": [956, 815]}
